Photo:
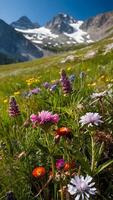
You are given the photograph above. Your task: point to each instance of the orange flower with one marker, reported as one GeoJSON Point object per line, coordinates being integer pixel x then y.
{"type": "Point", "coordinates": [63, 131]}
{"type": "Point", "coordinates": [39, 172]}
{"type": "Point", "coordinates": [69, 165]}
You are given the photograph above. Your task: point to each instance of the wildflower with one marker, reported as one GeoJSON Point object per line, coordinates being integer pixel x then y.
{"type": "Point", "coordinates": [53, 87]}
{"type": "Point", "coordinates": [60, 164]}
{"type": "Point", "coordinates": [62, 132]}
{"type": "Point", "coordinates": [35, 91]}
{"type": "Point", "coordinates": [44, 117]}
{"type": "Point", "coordinates": [98, 95]}
{"type": "Point", "coordinates": [39, 172]}
{"type": "Point", "coordinates": [5, 100]}
{"type": "Point", "coordinates": [82, 188]}
{"type": "Point", "coordinates": [69, 68]}
{"type": "Point", "coordinates": [91, 119]}
{"type": "Point", "coordinates": [69, 165]}
{"type": "Point", "coordinates": [13, 107]}
{"type": "Point", "coordinates": [66, 85]}
{"type": "Point", "coordinates": [46, 85]}
{"type": "Point", "coordinates": [93, 84]}
{"type": "Point", "coordinates": [31, 81]}
{"type": "Point", "coordinates": [16, 93]}
{"type": "Point", "coordinates": [34, 118]}
{"type": "Point", "coordinates": [72, 77]}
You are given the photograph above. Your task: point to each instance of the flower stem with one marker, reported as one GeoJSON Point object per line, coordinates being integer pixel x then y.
{"type": "Point", "coordinates": [93, 154]}
{"type": "Point", "coordinates": [61, 191]}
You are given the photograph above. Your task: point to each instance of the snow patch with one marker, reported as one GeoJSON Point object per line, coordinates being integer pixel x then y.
{"type": "Point", "coordinates": [79, 34]}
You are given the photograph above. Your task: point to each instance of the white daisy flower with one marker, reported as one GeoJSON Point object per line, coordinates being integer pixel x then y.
{"type": "Point", "coordinates": [82, 188]}
{"type": "Point", "coordinates": [98, 95]}
{"type": "Point", "coordinates": [91, 119]}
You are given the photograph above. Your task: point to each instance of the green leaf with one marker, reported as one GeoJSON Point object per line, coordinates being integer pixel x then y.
{"type": "Point", "coordinates": [103, 166]}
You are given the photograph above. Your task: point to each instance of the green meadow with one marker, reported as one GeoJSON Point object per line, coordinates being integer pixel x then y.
{"type": "Point", "coordinates": [25, 146]}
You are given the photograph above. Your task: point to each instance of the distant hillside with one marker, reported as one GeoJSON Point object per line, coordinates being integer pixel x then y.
{"type": "Point", "coordinates": [15, 45]}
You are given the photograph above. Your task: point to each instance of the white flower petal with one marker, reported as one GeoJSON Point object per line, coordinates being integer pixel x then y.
{"type": "Point", "coordinates": [73, 181]}
{"type": "Point", "coordinates": [78, 197]}
{"type": "Point", "coordinates": [87, 195]}
{"type": "Point", "coordinates": [91, 184]}
{"type": "Point", "coordinates": [88, 179]}
{"type": "Point", "coordinates": [72, 190]}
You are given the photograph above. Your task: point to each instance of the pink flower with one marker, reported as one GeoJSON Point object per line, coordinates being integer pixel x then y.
{"type": "Point", "coordinates": [91, 119]}
{"type": "Point", "coordinates": [55, 118]}
{"type": "Point", "coordinates": [34, 118]}
{"type": "Point", "coordinates": [45, 117]}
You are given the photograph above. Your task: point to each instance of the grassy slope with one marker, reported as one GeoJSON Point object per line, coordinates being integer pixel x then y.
{"type": "Point", "coordinates": [13, 78]}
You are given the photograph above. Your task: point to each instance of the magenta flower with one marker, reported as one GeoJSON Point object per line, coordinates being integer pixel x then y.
{"type": "Point", "coordinates": [34, 118]}
{"type": "Point", "coordinates": [91, 119]}
{"type": "Point", "coordinates": [44, 117]}
{"type": "Point", "coordinates": [60, 164]}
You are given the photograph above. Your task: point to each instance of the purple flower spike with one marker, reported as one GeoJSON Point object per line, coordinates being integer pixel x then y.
{"type": "Point", "coordinates": [66, 85]}
{"type": "Point", "coordinates": [13, 107]}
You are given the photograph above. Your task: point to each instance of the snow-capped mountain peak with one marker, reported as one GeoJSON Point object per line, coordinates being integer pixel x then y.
{"type": "Point", "coordinates": [24, 23]}
{"type": "Point", "coordinates": [61, 30]}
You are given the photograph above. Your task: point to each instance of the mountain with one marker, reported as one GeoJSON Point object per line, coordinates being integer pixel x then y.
{"type": "Point", "coordinates": [15, 46]}
{"type": "Point", "coordinates": [24, 23]}
{"type": "Point", "coordinates": [100, 26]}
{"type": "Point", "coordinates": [61, 23]}
{"type": "Point", "coordinates": [62, 30]}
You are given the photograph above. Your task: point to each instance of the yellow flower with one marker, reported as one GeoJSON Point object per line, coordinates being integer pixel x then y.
{"type": "Point", "coordinates": [69, 68]}
{"type": "Point", "coordinates": [93, 84]}
{"type": "Point", "coordinates": [32, 80]}
{"type": "Point", "coordinates": [5, 100]}
{"type": "Point", "coordinates": [16, 93]}
{"type": "Point", "coordinates": [53, 81]}
{"type": "Point", "coordinates": [102, 78]}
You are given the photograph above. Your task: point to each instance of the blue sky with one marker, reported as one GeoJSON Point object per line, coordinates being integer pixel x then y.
{"type": "Point", "coordinates": [42, 10]}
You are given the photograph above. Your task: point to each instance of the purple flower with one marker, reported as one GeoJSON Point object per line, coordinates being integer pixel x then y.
{"type": "Point", "coordinates": [35, 91]}
{"type": "Point", "coordinates": [82, 188]}
{"type": "Point", "coordinates": [91, 119]}
{"type": "Point", "coordinates": [60, 164]}
{"type": "Point", "coordinates": [13, 107]}
{"type": "Point", "coordinates": [53, 87]}
{"type": "Point", "coordinates": [44, 117]}
{"type": "Point", "coordinates": [46, 85]}
{"type": "Point", "coordinates": [66, 85]}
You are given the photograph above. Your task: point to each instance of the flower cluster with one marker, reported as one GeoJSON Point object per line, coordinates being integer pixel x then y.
{"type": "Point", "coordinates": [44, 117]}
{"type": "Point", "coordinates": [31, 81]}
